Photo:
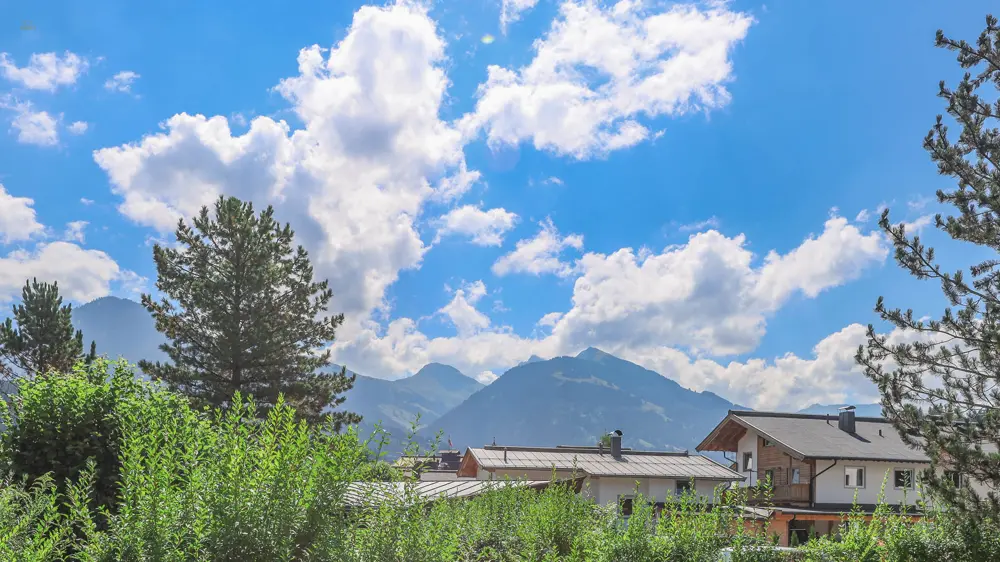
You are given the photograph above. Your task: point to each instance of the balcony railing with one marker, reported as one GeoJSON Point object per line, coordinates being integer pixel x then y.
{"type": "Point", "coordinates": [791, 493]}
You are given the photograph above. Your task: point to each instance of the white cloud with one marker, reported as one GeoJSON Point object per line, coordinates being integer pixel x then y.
{"type": "Point", "coordinates": [86, 201]}
{"type": "Point", "coordinates": [45, 71]}
{"type": "Point", "coordinates": [540, 254]}
{"type": "Point", "coordinates": [484, 228]}
{"type": "Point", "coordinates": [863, 216]}
{"type": "Point", "coordinates": [510, 11]}
{"type": "Point", "coordinates": [462, 312]}
{"type": "Point", "coordinates": [705, 296]}
{"type": "Point", "coordinates": [837, 255]}
{"type": "Point", "coordinates": [598, 70]}
{"type": "Point", "coordinates": [550, 319]}
{"type": "Point", "coordinates": [17, 218]}
{"type": "Point", "coordinates": [918, 224]}
{"type": "Point", "coordinates": [121, 82]}
{"type": "Point", "coordinates": [374, 149]}
{"type": "Point", "coordinates": [78, 127]}
{"type": "Point", "coordinates": [83, 275]}
{"type": "Point", "coordinates": [553, 180]}
{"type": "Point", "coordinates": [74, 231]}
{"type": "Point", "coordinates": [32, 127]}
{"type": "Point", "coordinates": [710, 222]}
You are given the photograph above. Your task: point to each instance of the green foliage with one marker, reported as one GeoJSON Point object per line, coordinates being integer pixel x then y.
{"type": "Point", "coordinates": [44, 339]}
{"type": "Point", "coordinates": [939, 380]}
{"type": "Point", "coordinates": [59, 423]}
{"type": "Point", "coordinates": [242, 314]}
{"type": "Point", "coordinates": [225, 485]}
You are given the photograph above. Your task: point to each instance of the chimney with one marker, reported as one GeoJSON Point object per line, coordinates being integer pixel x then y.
{"type": "Point", "coordinates": [616, 443]}
{"type": "Point", "coordinates": [846, 421]}
{"type": "Point", "coordinates": [505, 455]}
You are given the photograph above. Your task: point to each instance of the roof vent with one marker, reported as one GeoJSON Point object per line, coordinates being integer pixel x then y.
{"type": "Point", "coordinates": [616, 443]}
{"type": "Point", "coordinates": [846, 420]}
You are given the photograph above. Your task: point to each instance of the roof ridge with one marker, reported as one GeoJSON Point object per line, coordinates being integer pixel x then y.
{"type": "Point", "coordinates": [585, 449]}
{"type": "Point", "coordinates": [799, 416]}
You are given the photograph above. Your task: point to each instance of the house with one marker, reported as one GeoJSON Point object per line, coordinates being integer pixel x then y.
{"type": "Point", "coordinates": [440, 466]}
{"type": "Point", "coordinates": [819, 465]}
{"type": "Point", "coordinates": [367, 494]}
{"type": "Point", "coordinates": [611, 474]}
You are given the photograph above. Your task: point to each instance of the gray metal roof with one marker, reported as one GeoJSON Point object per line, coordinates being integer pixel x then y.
{"type": "Point", "coordinates": [591, 462]}
{"type": "Point", "coordinates": [818, 437]}
{"type": "Point", "coordinates": [362, 493]}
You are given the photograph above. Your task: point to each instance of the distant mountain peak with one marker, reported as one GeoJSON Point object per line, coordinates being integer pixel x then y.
{"type": "Point", "coordinates": [437, 370]}
{"type": "Point", "coordinates": [593, 354]}
{"type": "Point", "coordinates": [532, 359]}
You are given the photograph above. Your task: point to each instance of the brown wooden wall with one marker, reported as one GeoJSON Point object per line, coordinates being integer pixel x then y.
{"type": "Point", "coordinates": [773, 458]}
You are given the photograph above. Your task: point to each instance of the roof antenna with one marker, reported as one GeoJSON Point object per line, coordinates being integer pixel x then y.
{"type": "Point", "coordinates": [494, 441]}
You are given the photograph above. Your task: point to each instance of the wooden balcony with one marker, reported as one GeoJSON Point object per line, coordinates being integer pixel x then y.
{"type": "Point", "coordinates": [777, 495]}
{"type": "Point", "coordinates": [790, 493]}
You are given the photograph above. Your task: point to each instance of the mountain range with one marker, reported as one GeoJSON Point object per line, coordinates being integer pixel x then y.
{"type": "Point", "coordinates": [558, 401]}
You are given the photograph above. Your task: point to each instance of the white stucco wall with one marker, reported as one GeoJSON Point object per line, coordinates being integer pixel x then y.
{"type": "Point", "coordinates": [830, 484]}
{"type": "Point", "coordinates": [748, 443]}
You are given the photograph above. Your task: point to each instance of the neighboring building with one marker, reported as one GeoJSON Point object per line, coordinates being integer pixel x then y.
{"type": "Point", "coordinates": [612, 474]}
{"type": "Point", "coordinates": [360, 494]}
{"type": "Point", "coordinates": [440, 466]}
{"type": "Point", "coordinates": [818, 465]}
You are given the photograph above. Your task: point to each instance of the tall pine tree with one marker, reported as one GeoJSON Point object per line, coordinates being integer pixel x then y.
{"type": "Point", "coordinates": [243, 314]}
{"type": "Point", "coordinates": [43, 338]}
{"type": "Point", "coordinates": [940, 379]}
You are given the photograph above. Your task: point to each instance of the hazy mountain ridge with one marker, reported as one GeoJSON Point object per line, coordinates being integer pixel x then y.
{"type": "Point", "coordinates": [573, 400]}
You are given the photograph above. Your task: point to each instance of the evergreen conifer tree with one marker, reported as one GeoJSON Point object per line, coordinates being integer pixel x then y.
{"type": "Point", "coordinates": [242, 313]}
{"type": "Point", "coordinates": [940, 379]}
{"type": "Point", "coordinates": [43, 338]}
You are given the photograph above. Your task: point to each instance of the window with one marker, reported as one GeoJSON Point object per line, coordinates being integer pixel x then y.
{"type": "Point", "coordinates": [625, 505]}
{"type": "Point", "coordinates": [902, 478]}
{"type": "Point", "coordinates": [768, 443]}
{"type": "Point", "coordinates": [954, 477]}
{"type": "Point", "coordinates": [747, 462]}
{"type": "Point", "coordinates": [854, 477]}
{"type": "Point", "coordinates": [682, 487]}
{"type": "Point", "coordinates": [795, 476]}
{"type": "Point", "coordinates": [769, 477]}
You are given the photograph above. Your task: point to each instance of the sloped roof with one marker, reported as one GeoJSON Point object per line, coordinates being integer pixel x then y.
{"type": "Point", "coordinates": [594, 462]}
{"type": "Point", "coordinates": [362, 493]}
{"type": "Point", "coordinates": [816, 436]}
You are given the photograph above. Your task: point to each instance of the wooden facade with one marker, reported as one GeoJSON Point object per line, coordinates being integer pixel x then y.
{"type": "Point", "coordinates": [790, 477]}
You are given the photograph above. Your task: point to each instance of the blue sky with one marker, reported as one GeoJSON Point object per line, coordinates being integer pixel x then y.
{"type": "Point", "coordinates": [481, 187]}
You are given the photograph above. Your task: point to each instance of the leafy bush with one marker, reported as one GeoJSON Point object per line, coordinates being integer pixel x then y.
{"type": "Point", "coordinates": [58, 422]}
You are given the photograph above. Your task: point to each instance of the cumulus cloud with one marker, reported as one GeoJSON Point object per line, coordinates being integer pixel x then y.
{"type": "Point", "coordinates": [462, 312]}
{"type": "Point", "coordinates": [17, 218]}
{"type": "Point", "coordinates": [83, 274]}
{"type": "Point", "coordinates": [78, 127]}
{"type": "Point", "coordinates": [541, 254]}
{"type": "Point", "coordinates": [510, 11]}
{"type": "Point", "coordinates": [121, 82]}
{"type": "Point", "coordinates": [598, 70]}
{"type": "Point", "coordinates": [44, 71]}
{"type": "Point", "coordinates": [32, 127]}
{"type": "Point", "coordinates": [74, 231]}
{"type": "Point", "coordinates": [670, 311]}
{"type": "Point", "coordinates": [484, 228]}
{"type": "Point", "coordinates": [353, 181]}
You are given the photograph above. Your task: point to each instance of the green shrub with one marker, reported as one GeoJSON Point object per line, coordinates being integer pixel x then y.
{"type": "Point", "coordinates": [58, 422]}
